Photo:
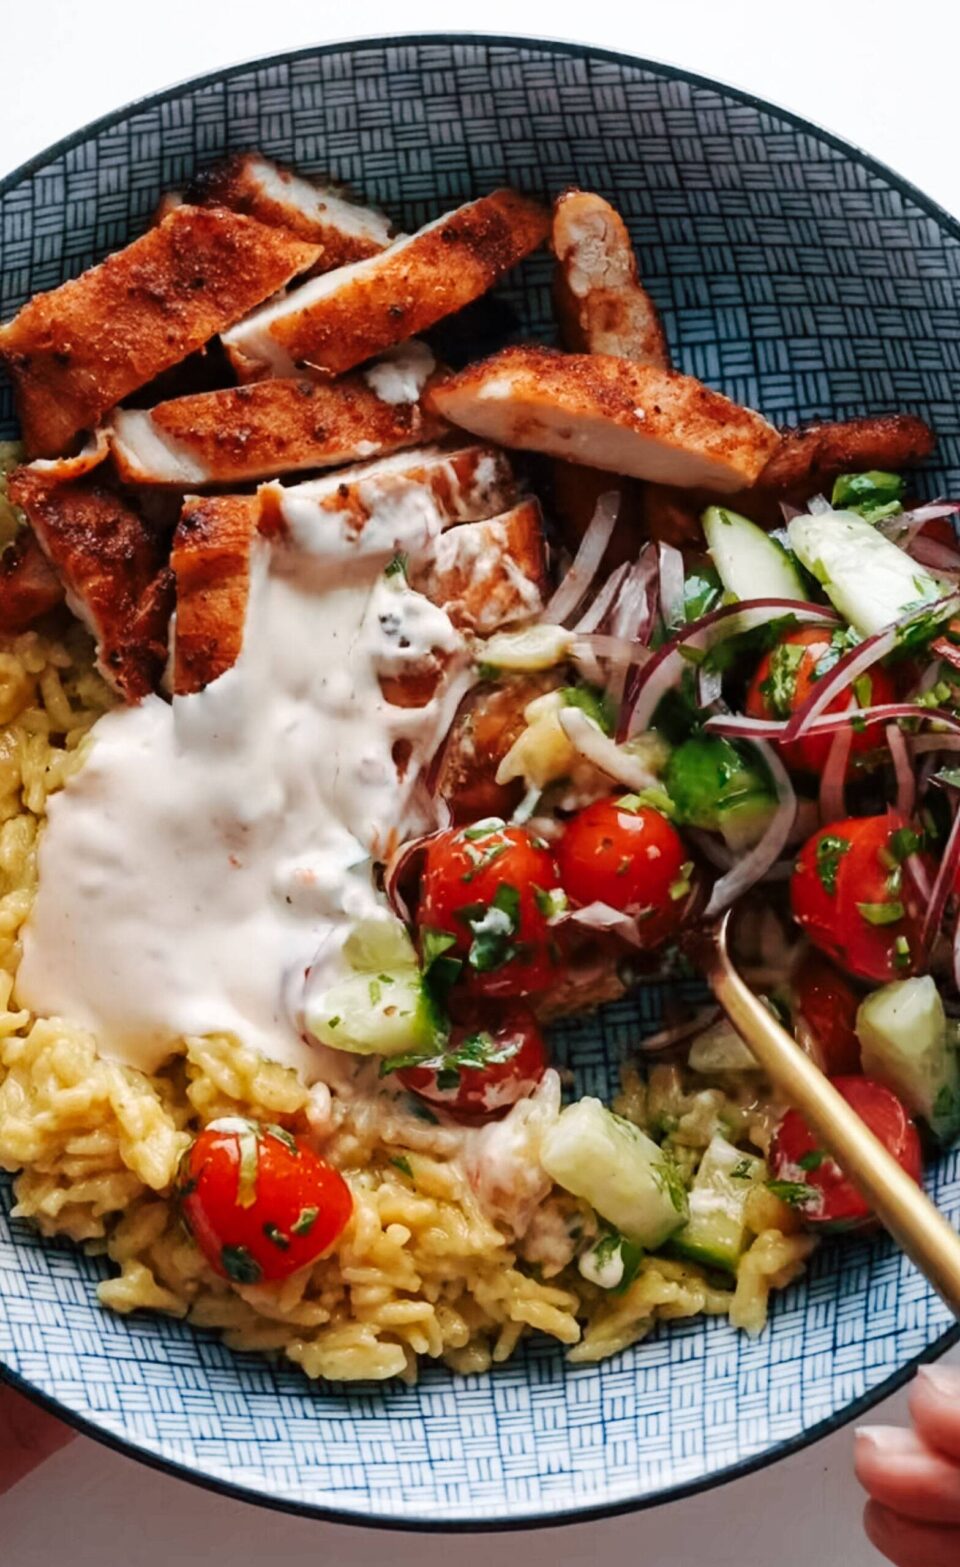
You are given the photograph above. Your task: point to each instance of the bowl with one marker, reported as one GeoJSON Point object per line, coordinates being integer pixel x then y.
{"type": "Point", "coordinates": [800, 277]}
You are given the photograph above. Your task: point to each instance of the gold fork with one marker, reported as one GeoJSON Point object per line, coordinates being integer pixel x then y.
{"type": "Point", "coordinates": [900, 1205]}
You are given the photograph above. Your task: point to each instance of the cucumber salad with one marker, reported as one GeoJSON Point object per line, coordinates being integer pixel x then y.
{"type": "Point", "coordinates": [764, 718]}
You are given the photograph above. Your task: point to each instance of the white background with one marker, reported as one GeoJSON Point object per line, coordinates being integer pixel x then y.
{"type": "Point", "coordinates": [880, 72]}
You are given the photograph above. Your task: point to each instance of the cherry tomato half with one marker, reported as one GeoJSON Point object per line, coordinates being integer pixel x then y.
{"type": "Point", "coordinates": [814, 1183]}
{"type": "Point", "coordinates": [489, 887]}
{"type": "Point", "coordinates": [785, 678]}
{"type": "Point", "coordinates": [826, 1003]}
{"type": "Point", "coordinates": [631, 858]}
{"type": "Point", "coordinates": [258, 1202]}
{"type": "Point", "coordinates": [854, 900]}
{"type": "Point", "coordinates": [491, 1061]}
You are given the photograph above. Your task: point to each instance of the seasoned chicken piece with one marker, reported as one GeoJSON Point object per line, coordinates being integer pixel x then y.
{"type": "Point", "coordinates": [75, 352]}
{"type": "Point", "coordinates": [211, 563]}
{"type": "Point", "coordinates": [601, 305]}
{"type": "Point", "coordinates": [320, 211]}
{"type": "Point", "coordinates": [113, 568]}
{"type": "Point", "coordinates": [274, 427]}
{"type": "Point", "coordinates": [29, 586]}
{"type": "Point", "coordinates": [483, 733]}
{"type": "Point", "coordinates": [608, 413]}
{"type": "Point", "coordinates": [336, 321]}
{"type": "Point", "coordinates": [487, 574]}
{"type": "Point", "coordinates": [815, 452]}
{"type": "Point", "coordinates": [397, 503]}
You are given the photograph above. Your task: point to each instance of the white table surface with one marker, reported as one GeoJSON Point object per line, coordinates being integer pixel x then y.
{"type": "Point", "coordinates": [876, 71]}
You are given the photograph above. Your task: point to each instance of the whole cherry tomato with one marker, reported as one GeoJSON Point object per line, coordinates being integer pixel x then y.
{"type": "Point", "coordinates": [492, 890]}
{"type": "Point", "coordinates": [814, 1184]}
{"type": "Point", "coordinates": [855, 901]}
{"type": "Point", "coordinates": [490, 1062]}
{"type": "Point", "coordinates": [826, 1003]}
{"type": "Point", "coordinates": [633, 858]}
{"type": "Point", "coordinates": [785, 678]}
{"type": "Point", "coordinates": [259, 1202]}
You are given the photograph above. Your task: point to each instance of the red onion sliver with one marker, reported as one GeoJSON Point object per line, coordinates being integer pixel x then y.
{"type": "Point", "coordinates": [737, 726]}
{"type": "Point", "coordinates": [672, 579]}
{"type": "Point", "coordinates": [621, 650]}
{"type": "Point", "coordinates": [861, 658]}
{"type": "Point", "coordinates": [665, 1038]}
{"type": "Point", "coordinates": [586, 562]}
{"type": "Point", "coordinates": [713, 849]}
{"type": "Point", "coordinates": [635, 611]}
{"type": "Point", "coordinates": [592, 618]}
{"type": "Point", "coordinates": [603, 917]}
{"type": "Point", "coordinates": [920, 745]}
{"type": "Point", "coordinates": [943, 886]}
{"type": "Point", "coordinates": [900, 756]}
{"type": "Point", "coordinates": [930, 552]}
{"type": "Point", "coordinates": [398, 866]}
{"type": "Point", "coordinates": [668, 663]}
{"type": "Point", "coordinates": [709, 686]}
{"type": "Point", "coordinates": [833, 803]}
{"type": "Point", "coordinates": [599, 749]}
{"type": "Point", "coordinates": [752, 866]}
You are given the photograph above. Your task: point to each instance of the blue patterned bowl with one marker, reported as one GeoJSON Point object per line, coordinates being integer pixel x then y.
{"type": "Point", "coordinates": [801, 278]}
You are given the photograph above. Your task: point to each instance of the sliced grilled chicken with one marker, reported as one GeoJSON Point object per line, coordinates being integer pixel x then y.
{"type": "Point", "coordinates": [211, 563]}
{"type": "Point", "coordinates": [488, 574]}
{"type": "Point", "coordinates": [485, 729]}
{"type": "Point", "coordinates": [814, 452]}
{"type": "Point", "coordinates": [77, 351]}
{"type": "Point", "coordinates": [397, 503]}
{"type": "Point", "coordinates": [278, 426]}
{"type": "Point", "coordinates": [321, 211]}
{"type": "Point", "coordinates": [29, 586]}
{"type": "Point", "coordinates": [601, 305]}
{"type": "Point", "coordinates": [608, 413]}
{"type": "Point", "coordinates": [113, 569]}
{"type": "Point", "coordinates": [339, 320]}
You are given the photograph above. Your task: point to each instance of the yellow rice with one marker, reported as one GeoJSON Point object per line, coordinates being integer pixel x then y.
{"type": "Point", "coordinates": [420, 1269]}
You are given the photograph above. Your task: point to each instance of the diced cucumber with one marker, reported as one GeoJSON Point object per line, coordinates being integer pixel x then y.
{"type": "Point", "coordinates": [750, 563]}
{"type": "Point", "coordinates": [905, 1043]}
{"type": "Point", "coordinates": [616, 1168]}
{"type": "Point", "coordinates": [379, 943]}
{"type": "Point", "coordinates": [716, 1232]}
{"type": "Point", "coordinates": [715, 788]}
{"type": "Point", "coordinates": [720, 1049]}
{"type": "Point", "coordinates": [384, 1013]}
{"type": "Point", "coordinates": [870, 581]}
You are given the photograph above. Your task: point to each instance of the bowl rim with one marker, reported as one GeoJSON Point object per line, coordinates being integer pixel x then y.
{"type": "Point", "coordinates": [155, 1457]}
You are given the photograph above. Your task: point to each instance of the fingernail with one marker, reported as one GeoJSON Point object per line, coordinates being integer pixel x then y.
{"type": "Point", "coordinates": [888, 1439]}
{"type": "Point", "coordinates": [943, 1379]}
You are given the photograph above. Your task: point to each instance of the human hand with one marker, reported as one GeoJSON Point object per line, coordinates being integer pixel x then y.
{"type": "Point", "coordinates": [28, 1435]}
{"type": "Point", "coordinates": [913, 1477]}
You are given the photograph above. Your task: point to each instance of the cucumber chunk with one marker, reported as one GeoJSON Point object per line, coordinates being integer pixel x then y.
{"type": "Point", "coordinates": [716, 1232]}
{"type": "Point", "coordinates": [384, 1014]}
{"type": "Point", "coordinates": [870, 581]}
{"type": "Point", "coordinates": [379, 943]}
{"type": "Point", "coordinates": [751, 564]}
{"type": "Point", "coordinates": [715, 788]}
{"type": "Point", "coordinates": [618, 1170]}
{"type": "Point", "coordinates": [905, 1043]}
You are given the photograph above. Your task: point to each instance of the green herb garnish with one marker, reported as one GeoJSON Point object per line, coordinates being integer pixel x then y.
{"type": "Point", "coordinates": [239, 1266]}
{"type": "Point", "coordinates": [872, 495]}
{"type": "Point", "coordinates": [402, 1163]}
{"type": "Point", "coordinates": [779, 689]}
{"type": "Point", "coordinates": [881, 913]}
{"type": "Point", "coordinates": [249, 1146]}
{"type": "Point", "coordinates": [795, 1193]}
{"type": "Point", "coordinates": [305, 1220]}
{"type": "Point", "coordinates": [812, 1160]}
{"type": "Point", "coordinates": [277, 1237]}
{"type": "Point", "coordinates": [830, 849]}
{"type": "Point", "coordinates": [492, 926]}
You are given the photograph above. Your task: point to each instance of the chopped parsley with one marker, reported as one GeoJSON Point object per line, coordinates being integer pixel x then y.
{"type": "Point", "coordinates": [239, 1266]}
{"type": "Point", "coordinates": [812, 1160]}
{"type": "Point", "coordinates": [472, 1053]}
{"type": "Point", "coordinates": [841, 641]}
{"type": "Point", "coordinates": [283, 1136]}
{"type": "Point", "coordinates": [779, 689]}
{"type": "Point", "coordinates": [493, 926]}
{"type": "Point", "coordinates": [904, 842]}
{"type": "Point", "coordinates": [829, 851]}
{"type": "Point", "coordinates": [881, 913]}
{"type": "Point", "coordinates": [872, 495]}
{"type": "Point", "coordinates": [742, 1171]}
{"type": "Point", "coordinates": [670, 1182]}
{"type": "Point", "coordinates": [550, 902]}
{"type": "Point", "coordinates": [305, 1220]}
{"type": "Point", "coordinates": [481, 830]}
{"type": "Point", "coordinates": [679, 888]}
{"type": "Point", "coordinates": [402, 1163]}
{"type": "Point", "coordinates": [277, 1237]}
{"type": "Point", "coordinates": [795, 1193]}
{"type": "Point", "coordinates": [397, 567]}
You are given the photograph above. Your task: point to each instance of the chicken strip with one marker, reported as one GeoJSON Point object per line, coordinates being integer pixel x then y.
{"type": "Point", "coordinates": [113, 568]}
{"type": "Point", "coordinates": [601, 305]}
{"type": "Point", "coordinates": [274, 427]}
{"type": "Point", "coordinates": [337, 321]}
{"type": "Point", "coordinates": [487, 574]}
{"type": "Point", "coordinates": [77, 351]}
{"type": "Point", "coordinates": [604, 412]}
{"type": "Point", "coordinates": [321, 211]}
{"type": "Point", "coordinates": [211, 564]}
{"type": "Point", "coordinates": [397, 503]}
{"type": "Point", "coordinates": [29, 586]}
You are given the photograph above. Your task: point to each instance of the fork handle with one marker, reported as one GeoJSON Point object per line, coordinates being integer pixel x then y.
{"type": "Point", "coordinates": [900, 1205]}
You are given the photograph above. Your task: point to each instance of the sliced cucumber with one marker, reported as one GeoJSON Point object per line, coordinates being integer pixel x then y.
{"type": "Point", "coordinates": [905, 1043]}
{"type": "Point", "coordinates": [616, 1168]}
{"type": "Point", "coordinates": [870, 581]}
{"type": "Point", "coordinates": [379, 943]}
{"type": "Point", "coordinates": [715, 788]}
{"type": "Point", "coordinates": [750, 564]}
{"type": "Point", "coordinates": [716, 1232]}
{"type": "Point", "coordinates": [383, 1014]}
{"type": "Point", "coordinates": [720, 1049]}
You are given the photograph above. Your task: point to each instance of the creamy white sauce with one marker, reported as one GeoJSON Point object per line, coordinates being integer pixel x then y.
{"type": "Point", "coordinates": [401, 375]}
{"type": "Point", "coordinates": [214, 849]}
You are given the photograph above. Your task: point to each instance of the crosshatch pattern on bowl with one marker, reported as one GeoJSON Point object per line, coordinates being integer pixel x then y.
{"type": "Point", "coordinates": [797, 278]}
